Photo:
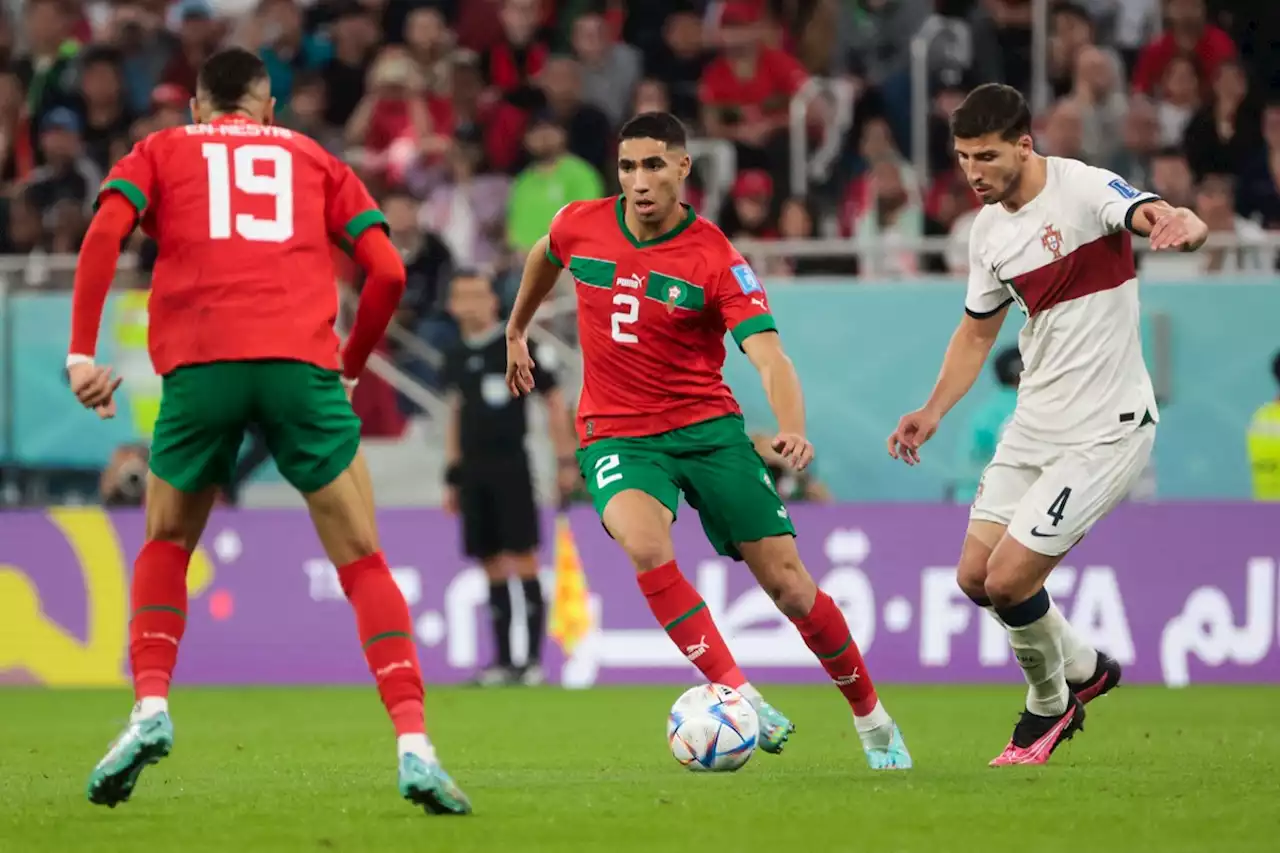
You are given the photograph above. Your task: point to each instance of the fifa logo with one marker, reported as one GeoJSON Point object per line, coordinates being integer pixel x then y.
{"type": "Point", "coordinates": [1052, 240]}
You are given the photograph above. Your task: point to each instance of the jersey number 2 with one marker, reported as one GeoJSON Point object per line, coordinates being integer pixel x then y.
{"type": "Point", "coordinates": [239, 169]}
{"type": "Point", "coordinates": [628, 312]}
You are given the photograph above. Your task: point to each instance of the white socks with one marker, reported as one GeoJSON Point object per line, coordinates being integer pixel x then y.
{"type": "Point", "coordinates": [149, 706]}
{"type": "Point", "coordinates": [750, 693]}
{"type": "Point", "coordinates": [1040, 656]}
{"type": "Point", "coordinates": [1079, 659]}
{"type": "Point", "coordinates": [418, 745]}
{"type": "Point", "coordinates": [875, 729]}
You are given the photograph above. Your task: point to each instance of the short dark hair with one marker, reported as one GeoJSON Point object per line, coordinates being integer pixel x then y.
{"type": "Point", "coordinates": [992, 108]}
{"type": "Point", "coordinates": [1073, 10]}
{"type": "Point", "coordinates": [227, 76]}
{"type": "Point", "coordinates": [1169, 152]}
{"type": "Point", "coordinates": [1008, 366]}
{"type": "Point", "coordinates": [664, 127]}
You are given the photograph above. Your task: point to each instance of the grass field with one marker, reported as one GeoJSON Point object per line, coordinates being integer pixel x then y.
{"type": "Point", "coordinates": [548, 770]}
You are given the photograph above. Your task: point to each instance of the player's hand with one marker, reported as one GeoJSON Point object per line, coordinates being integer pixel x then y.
{"type": "Point", "coordinates": [795, 450]}
{"type": "Point", "coordinates": [914, 429]}
{"type": "Point", "coordinates": [519, 366]}
{"type": "Point", "coordinates": [1178, 230]}
{"type": "Point", "coordinates": [94, 387]}
{"type": "Point", "coordinates": [568, 479]}
{"type": "Point", "coordinates": [450, 500]}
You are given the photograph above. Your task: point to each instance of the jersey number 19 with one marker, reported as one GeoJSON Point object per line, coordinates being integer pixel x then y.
{"type": "Point", "coordinates": [239, 170]}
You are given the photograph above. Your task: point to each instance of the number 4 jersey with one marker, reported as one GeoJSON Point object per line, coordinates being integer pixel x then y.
{"type": "Point", "coordinates": [652, 317]}
{"type": "Point", "coordinates": [244, 216]}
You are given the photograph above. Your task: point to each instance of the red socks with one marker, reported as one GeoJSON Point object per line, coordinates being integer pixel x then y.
{"type": "Point", "coordinates": [158, 595]}
{"type": "Point", "coordinates": [684, 616]}
{"type": "Point", "coordinates": [386, 634]}
{"type": "Point", "coordinates": [826, 633]}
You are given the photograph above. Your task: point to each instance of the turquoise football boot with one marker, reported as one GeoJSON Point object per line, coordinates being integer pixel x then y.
{"type": "Point", "coordinates": [890, 756]}
{"type": "Point", "coordinates": [427, 785]}
{"type": "Point", "coordinates": [144, 741]}
{"type": "Point", "coordinates": [774, 728]}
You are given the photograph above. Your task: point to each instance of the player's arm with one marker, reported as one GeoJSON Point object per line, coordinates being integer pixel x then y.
{"type": "Point", "coordinates": [1118, 205]}
{"type": "Point", "coordinates": [541, 269]}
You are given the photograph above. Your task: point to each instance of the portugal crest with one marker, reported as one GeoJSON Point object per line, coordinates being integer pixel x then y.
{"type": "Point", "coordinates": [1052, 240]}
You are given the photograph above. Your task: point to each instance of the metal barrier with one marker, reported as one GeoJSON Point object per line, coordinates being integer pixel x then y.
{"type": "Point", "coordinates": [723, 158]}
{"type": "Point", "coordinates": [803, 169]}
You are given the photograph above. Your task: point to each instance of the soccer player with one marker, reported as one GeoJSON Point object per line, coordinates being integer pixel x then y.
{"type": "Point", "coordinates": [657, 288]}
{"type": "Point", "coordinates": [242, 312]}
{"type": "Point", "coordinates": [1054, 238]}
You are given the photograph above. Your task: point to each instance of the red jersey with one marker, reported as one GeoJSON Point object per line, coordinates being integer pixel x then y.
{"type": "Point", "coordinates": [243, 216]}
{"type": "Point", "coordinates": [652, 316]}
{"type": "Point", "coordinates": [767, 94]}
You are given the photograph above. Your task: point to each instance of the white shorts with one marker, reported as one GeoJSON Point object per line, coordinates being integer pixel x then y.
{"type": "Point", "coordinates": [1050, 496]}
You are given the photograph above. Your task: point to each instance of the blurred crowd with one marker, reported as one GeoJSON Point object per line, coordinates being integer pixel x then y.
{"type": "Point", "coordinates": [474, 121]}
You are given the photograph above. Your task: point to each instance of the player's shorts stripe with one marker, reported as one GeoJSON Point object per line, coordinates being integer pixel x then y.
{"type": "Point", "coordinates": [160, 608]}
{"type": "Point", "coordinates": [128, 189]}
{"type": "Point", "coordinates": [848, 642]}
{"type": "Point", "coordinates": [676, 621]}
{"type": "Point", "coordinates": [386, 635]}
{"type": "Point", "coordinates": [362, 222]}
{"type": "Point", "coordinates": [753, 326]}
{"type": "Point", "coordinates": [1103, 264]}
{"type": "Point", "coordinates": [983, 315]}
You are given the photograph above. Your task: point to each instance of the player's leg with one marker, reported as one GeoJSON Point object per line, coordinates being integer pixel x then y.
{"type": "Point", "coordinates": [1090, 673]}
{"type": "Point", "coordinates": [1071, 495]}
{"type": "Point", "coordinates": [633, 489]}
{"type": "Point", "coordinates": [744, 518]}
{"type": "Point", "coordinates": [196, 436]}
{"type": "Point", "coordinates": [314, 437]}
{"type": "Point", "coordinates": [478, 504]}
{"type": "Point", "coordinates": [520, 537]}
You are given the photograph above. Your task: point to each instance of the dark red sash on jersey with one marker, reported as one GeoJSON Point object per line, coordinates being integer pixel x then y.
{"type": "Point", "coordinates": [507, 72]}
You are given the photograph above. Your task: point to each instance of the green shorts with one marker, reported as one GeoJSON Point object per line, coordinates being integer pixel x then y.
{"type": "Point", "coordinates": [713, 463]}
{"type": "Point", "coordinates": [301, 410]}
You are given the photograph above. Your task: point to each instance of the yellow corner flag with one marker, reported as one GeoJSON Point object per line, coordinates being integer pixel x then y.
{"type": "Point", "coordinates": [570, 617]}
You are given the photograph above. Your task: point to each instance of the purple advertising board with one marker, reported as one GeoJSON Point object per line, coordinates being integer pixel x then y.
{"type": "Point", "coordinates": [1179, 593]}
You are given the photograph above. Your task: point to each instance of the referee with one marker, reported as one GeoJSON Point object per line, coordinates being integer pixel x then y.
{"type": "Point", "coordinates": [488, 480]}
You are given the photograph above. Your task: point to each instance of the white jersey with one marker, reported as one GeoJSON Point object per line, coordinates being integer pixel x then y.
{"type": "Point", "coordinates": [1066, 259]}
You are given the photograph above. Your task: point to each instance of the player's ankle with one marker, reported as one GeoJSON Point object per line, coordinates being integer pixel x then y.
{"type": "Point", "coordinates": [149, 706]}
{"type": "Point", "coordinates": [418, 744]}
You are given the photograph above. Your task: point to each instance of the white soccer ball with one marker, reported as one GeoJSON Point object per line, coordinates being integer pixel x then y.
{"type": "Point", "coordinates": [713, 728]}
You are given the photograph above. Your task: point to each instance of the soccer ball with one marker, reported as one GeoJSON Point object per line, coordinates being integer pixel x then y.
{"type": "Point", "coordinates": [713, 728]}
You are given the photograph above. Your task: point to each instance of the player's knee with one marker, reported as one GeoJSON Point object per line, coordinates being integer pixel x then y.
{"type": "Point", "coordinates": [1005, 588]}
{"type": "Point", "coordinates": [971, 577]}
{"type": "Point", "coordinates": [647, 545]}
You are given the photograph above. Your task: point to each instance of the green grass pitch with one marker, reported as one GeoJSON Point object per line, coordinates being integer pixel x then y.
{"type": "Point", "coordinates": [551, 770]}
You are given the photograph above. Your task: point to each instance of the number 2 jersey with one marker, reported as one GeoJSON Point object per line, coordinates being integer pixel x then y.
{"type": "Point", "coordinates": [652, 318]}
{"type": "Point", "coordinates": [1066, 259]}
{"type": "Point", "coordinates": [244, 217]}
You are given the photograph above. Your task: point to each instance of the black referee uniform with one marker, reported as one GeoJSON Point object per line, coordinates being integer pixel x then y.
{"type": "Point", "coordinates": [494, 483]}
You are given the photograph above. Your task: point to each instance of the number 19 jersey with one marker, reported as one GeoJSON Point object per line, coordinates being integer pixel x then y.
{"type": "Point", "coordinates": [652, 318]}
{"type": "Point", "coordinates": [244, 216]}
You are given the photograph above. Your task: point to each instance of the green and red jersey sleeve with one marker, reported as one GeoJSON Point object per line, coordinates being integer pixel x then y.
{"type": "Point", "coordinates": [558, 236]}
{"type": "Point", "coordinates": [349, 208]}
{"type": "Point", "coordinates": [134, 177]}
{"type": "Point", "coordinates": [741, 300]}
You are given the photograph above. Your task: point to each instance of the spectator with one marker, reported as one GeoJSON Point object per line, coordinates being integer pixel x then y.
{"type": "Point", "coordinates": [17, 155]}
{"type": "Point", "coordinates": [1171, 178]}
{"type": "Point", "coordinates": [430, 45]}
{"type": "Point", "coordinates": [305, 112]}
{"type": "Point", "coordinates": [391, 125]}
{"type": "Point", "coordinates": [1179, 98]}
{"type": "Point", "coordinates": [1186, 32]}
{"type": "Point", "coordinates": [590, 136]}
{"type": "Point", "coordinates": [468, 208]}
{"type": "Point", "coordinates": [48, 71]}
{"type": "Point", "coordinates": [552, 180]}
{"type": "Point", "coordinates": [1141, 141]}
{"type": "Point", "coordinates": [796, 222]}
{"type": "Point", "coordinates": [1260, 178]}
{"type": "Point", "coordinates": [1072, 30]}
{"type": "Point", "coordinates": [355, 36]}
{"type": "Point", "coordinates": [751, 202]}
{"type": "Point", "coordinates": [1263, 440]}
{"type": "Point", "coordinates": [286, 48]}
{"type": "Point", "coordinates": [611, 70]}
{"type": "Point", "coordinates": [199, 34]}
{"type": "Point", "coordinates": [513, 62]}
{"type": "Point", "coordinates": [427, 262]}
{"type": "Point", "coordinates": [1099, 95]}
{"type": "Point", "coordinates": [170, 107]}
{"type": "Point", "coordinates": [1224, 134]}
{"type": "Point", "coordinates": [680, 63]}
{"type": "Point", "coordinates": [1002, 42]}
{"type": "Point", "coordinates": [948, 89]}
{"type": "Point", "coordinates": [23, 233]}
{"type": "Point", "coordinates": [145, 46]}
{"type": "Point", "coordinates": [1063, 134]}
{"type": "Point", "coordinates": [949, 199]}
{"type": "Point", "coordinates": [67, 174]}
{"type": "Point", "coordinates": [651, 97]}
{"type": "Point", "coordinates": [500, 124]}
{"type": "Point", "coordinates": [988, 422]}
{"type": "Point", "coordinates": [884, 215]}
{"type": "Point", "coordinates": [107, 119]}
{"type": "Point", "coordinates": [746, 91]}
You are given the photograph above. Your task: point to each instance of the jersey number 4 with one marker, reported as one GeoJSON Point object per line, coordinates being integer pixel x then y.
{"type": "Point", "coordinates": [240, 169]}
